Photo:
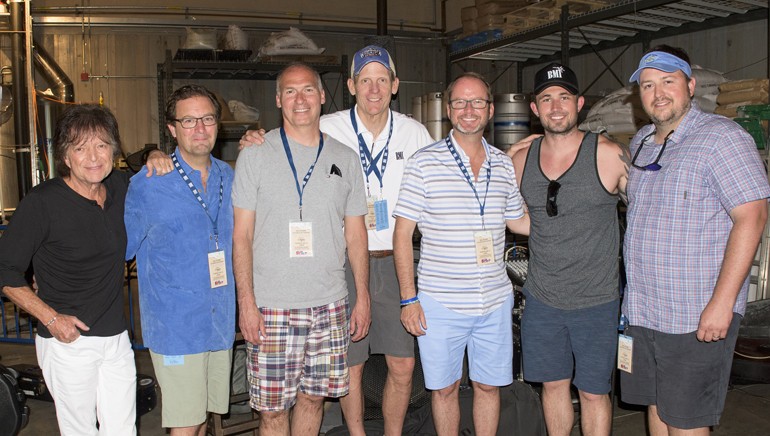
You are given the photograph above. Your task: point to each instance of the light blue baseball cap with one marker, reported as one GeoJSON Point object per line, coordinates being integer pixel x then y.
{"type": "Point", "coordinates": [662, 61]}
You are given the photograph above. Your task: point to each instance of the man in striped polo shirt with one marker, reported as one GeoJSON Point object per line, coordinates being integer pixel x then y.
{"type": "Point", "coordinates": [461, 193]}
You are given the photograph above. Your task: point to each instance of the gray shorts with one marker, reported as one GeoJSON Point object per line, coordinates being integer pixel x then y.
{"type": "Point", "coordinates": [686, 379]}
{"type": "Point", "coordinates": [386, 335]}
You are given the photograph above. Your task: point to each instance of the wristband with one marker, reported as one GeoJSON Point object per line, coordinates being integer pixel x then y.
{"type": "Point", "coordinates": [409, 301]}
{"type": "Point", "coordinates": [50, 322]}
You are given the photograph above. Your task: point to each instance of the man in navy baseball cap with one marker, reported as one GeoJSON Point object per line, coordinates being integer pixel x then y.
{"type": "Point", "coordinates": [371, 53]}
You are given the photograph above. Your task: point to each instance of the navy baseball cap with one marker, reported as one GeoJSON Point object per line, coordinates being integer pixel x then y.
{"type": "Point", "coordinates": [662, 61]}
{"type": "Point", "coordinates": [371, 53]}
{"type": "Point", "coordinates": [556, 74]}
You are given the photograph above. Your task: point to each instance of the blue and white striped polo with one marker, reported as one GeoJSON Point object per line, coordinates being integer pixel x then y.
{"type": "Point", "coordinates": [436, 195]}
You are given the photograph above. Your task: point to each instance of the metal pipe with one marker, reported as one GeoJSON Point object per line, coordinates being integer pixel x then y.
{"type": "Point", "coordinates": [98, 15]}
{"type": "Point", "coordinates": [54, 74]}
{"type": "Point", "coordinates": [20, 114]}
{"type": "Point", "coordinates": [382, 17]}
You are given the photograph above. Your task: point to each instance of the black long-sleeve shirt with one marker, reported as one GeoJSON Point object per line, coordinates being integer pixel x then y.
{"type": "Point", "coordinates": [77, 250]}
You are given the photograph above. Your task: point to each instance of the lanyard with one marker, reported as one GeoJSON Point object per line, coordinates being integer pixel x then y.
{"type": "Point", "coordinates": [467, 175]}
{"type": "Point", "coordinates": [366, 155]}
{"type": "Point", "coordinates": [300, 190]}
{"type": "Point", "coordinates": [196, 193]}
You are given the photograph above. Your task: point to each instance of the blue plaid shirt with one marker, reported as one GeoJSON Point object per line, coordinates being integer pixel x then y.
{"type": "Point", "coordinates": [679, 222]}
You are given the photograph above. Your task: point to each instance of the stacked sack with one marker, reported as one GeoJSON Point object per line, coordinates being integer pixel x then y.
{"type": "Point", "coordinates": [621, 112]}
{"type": "Point", "coordinates": [735, 94]}
{"type": "Point", "coordinates": [491, 13]}
{"type": "Point", "coordinates": [468, 16]}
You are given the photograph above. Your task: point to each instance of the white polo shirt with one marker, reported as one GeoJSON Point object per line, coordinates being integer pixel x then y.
{"type": "Point", "coordinates": [408, 137]}
{"type": "Point", "coordinates": [436, 195]}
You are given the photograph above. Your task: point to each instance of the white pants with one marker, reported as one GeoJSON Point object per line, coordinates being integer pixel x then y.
{"type": "Point", "coordinates": [91, 374]}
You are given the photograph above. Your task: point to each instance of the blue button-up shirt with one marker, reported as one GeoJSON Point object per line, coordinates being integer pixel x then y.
{"type": "Point", "coordinates": [171, 236]}
{"type": "Point", "coordinates": [679, 219]}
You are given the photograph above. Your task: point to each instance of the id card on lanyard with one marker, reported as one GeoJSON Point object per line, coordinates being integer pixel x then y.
{"type": "Point", "coordinates": [300, 232]}
{"type": "Point", "coordinates": [483, 241]}
{"type": "Point", "coordinates": [216, 259]}
{"type": "Point", "coordinates": [377, 207]}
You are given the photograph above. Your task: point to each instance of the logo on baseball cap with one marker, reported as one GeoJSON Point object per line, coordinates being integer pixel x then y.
{"type": "Point", "coordinates": [556, 74]}
{"type": "Point", "coordinates": [662, 61]}
{"type": "Point", "coordinates": [371, 53]}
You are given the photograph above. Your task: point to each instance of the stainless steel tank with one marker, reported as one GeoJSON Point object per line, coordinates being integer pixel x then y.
{"type": "Point", "coordinates": [417, 108]}
{"type": "Point", "coordinates": [511, 121]}
{"type": "Point", "coordinates": [437, 124]}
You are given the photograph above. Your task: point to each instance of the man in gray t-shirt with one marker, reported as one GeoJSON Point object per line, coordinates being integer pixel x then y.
{"type": "Point", "coordinates": [299, 204]}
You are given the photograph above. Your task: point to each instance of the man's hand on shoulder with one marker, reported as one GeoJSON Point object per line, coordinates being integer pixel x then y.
{"type": "Point", "coordinates": [158, 163]}
{"type": "Point", "coordinates": [522, 145]}
{"type": "Point", "coordinates": [251, 138]}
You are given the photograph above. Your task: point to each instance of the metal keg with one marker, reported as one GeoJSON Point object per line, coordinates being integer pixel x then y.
{"type": "Point", "coordinates": [417, 108]}
{"type": "Point", "coordinates": [511, 123]}
{"type": "Point", "coordinates": [436, 122]}
{"type": "Point", "coordinates": [424, 109]}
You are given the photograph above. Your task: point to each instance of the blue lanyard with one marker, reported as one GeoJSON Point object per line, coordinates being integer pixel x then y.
{"type": "Point", "coordinates": [300, 190]}
{"type": "Point", "coordinates": [366, 155]}
{"type": "Point", "coordinates": [467, 175]}
{"type": "Point", "coordinates": [196, 193]}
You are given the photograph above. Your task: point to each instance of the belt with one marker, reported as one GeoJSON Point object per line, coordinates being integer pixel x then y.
{"type": "Point", "coordinates": [378, 254]}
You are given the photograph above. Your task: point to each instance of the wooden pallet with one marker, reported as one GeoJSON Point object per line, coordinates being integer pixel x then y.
{"type": "Point", "coordinates": [548, 11]}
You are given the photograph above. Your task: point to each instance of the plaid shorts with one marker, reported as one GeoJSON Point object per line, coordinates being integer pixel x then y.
{"type": "Point", "coordinates": [304, 349]}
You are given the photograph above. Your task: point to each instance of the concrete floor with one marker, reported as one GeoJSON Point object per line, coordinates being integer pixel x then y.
{"type": "Point", "coordinates": [747, 411]}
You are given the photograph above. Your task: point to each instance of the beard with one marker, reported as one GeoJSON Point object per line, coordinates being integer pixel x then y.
{"type": "Point", "coordinates": [560, 127]}
{"type": "Point", "coordinates": [670, 115]}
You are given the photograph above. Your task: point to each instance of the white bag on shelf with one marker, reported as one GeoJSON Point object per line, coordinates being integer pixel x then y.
{"type": "Point", "coordinates": [289, 42]}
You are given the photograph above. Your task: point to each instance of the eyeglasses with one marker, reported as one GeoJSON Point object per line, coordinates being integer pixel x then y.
{"type": "Point", "coordinates": [191, 122]}
{"type": "Point", "coordinates": [476, 103]}
{"type": "Point", "coordinates": [654, 166]}
{"type": "Point", "coordinates": [550, 203]}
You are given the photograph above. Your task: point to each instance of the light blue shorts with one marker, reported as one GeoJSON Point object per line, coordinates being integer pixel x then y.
{"type": "Point", "coordinates": [488, 339]}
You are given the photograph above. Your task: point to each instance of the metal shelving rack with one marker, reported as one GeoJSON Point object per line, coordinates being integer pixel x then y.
{"type": "Point", "coordinates": [218, 70]}
{"type": "Point", "coordinates": [616, 25]}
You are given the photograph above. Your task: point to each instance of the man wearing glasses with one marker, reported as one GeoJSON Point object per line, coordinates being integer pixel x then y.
{"type": "Point", "coordinates": [462, 194]}
{"type": "Point", "coordinates": [697, 208]}
{"type": "Point", "coordinates": [571, 182]}
{"type": "Point", "coordinates": [180, 227]}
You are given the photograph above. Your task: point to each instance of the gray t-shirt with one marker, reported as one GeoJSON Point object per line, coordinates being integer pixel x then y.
{"type": "Point", "coordinates": [265, 184]}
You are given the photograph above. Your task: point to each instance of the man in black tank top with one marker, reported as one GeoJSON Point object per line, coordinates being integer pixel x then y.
{"type": "Point", "coordinates": [571, 182]}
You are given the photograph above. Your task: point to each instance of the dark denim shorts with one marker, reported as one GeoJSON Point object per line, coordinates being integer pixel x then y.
{"type": "Point", "coordinates": [558, 343]}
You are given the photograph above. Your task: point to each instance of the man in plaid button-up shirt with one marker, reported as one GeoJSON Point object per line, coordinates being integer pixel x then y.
{"type": "Point", "coordinates": [697, 194]}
